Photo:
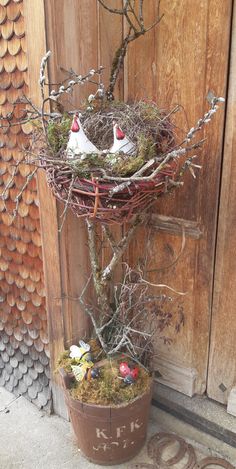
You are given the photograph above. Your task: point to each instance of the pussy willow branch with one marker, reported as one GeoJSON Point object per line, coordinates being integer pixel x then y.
{"type": "Point", "coordinates": [20, 193]}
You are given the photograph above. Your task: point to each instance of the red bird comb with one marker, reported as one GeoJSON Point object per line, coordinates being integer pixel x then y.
{"type": "Point", "coordinates": [119, 134]}
{"type": "Point", "coordinates": [75, 126]}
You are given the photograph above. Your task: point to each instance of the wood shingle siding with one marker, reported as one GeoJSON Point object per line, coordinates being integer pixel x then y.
{"type": "Point", "coordinates": [24, 351]}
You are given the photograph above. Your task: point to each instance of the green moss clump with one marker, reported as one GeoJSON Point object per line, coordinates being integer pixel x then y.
{"type": "Point", "coordinates": [65, 361]}
{"type": "Point", "coordinates": [109, 388]}
{"type": "Point", "coordinates": [58, 133]}
{"type": "Point", "coordinates": [116, 165]}
{"type": "Point", "coordinates": [91, 163]}
{"type": "Point", "coordinates": [146, 147]}
{"type": "Point", "coordinates": [127, 166]}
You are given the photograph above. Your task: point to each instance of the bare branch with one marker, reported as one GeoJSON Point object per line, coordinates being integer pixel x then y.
{"type": "Point", "coordinates": [92, 248]}
{"type": "Point", "coordinates": [110, 237]}
{"type": "Point", "coordinates": [134, 32]}
{"type": "Point", "coordinates": [19, 195]}
{"type": "Point", "coordinates": [163, 285]}
{"type": "Point", "coordinates": [114, 10]}
{"type": "Point", "coordinates": [121, 248]}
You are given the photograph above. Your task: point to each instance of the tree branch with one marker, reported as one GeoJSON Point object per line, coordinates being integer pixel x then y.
{"type": "Point", "coordinates": [121, 247]}
{"type": "Point", "coordinates": [136, 29]}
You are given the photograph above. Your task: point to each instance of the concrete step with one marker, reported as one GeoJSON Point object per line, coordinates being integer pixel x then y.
{"type": "Point", "coordinates": [200, 412]}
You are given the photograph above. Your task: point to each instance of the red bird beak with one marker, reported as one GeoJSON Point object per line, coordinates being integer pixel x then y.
{"type": "Point", "coordinates": [75, 126]}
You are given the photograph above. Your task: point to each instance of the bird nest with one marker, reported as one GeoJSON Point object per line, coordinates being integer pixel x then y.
{"type": "Point", "coordinates": [112, 187]}
{"type": "Point", "coordinates": [107, 201]}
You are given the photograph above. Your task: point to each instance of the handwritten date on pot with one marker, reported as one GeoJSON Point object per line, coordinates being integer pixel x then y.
{"type": "Point", "coordinates": [122, 436]}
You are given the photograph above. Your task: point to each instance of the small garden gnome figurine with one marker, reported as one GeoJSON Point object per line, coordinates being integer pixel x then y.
{"type": "Point", "coordinates": [121, 143]}
{"type": "Point", "coordinates": [78, 142]}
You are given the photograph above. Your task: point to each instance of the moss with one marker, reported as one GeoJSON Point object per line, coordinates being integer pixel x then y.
{"type": "Point", "coordinates": [91, 163]}
{"type": "Point", "coordinates": [115, 61]}
{"type": "Point", "coordinates": [109, 388]}
{"type": "Point", "coordinates": [128, 166]}
{"type": "Point", "coordinates": [65, 361]}
{"type": "Point", "coordinates": [58, 132]}
{"type": "Point", "coordinates": [117, 165]}
{"type": "Point", "coordinates": [146, 147]}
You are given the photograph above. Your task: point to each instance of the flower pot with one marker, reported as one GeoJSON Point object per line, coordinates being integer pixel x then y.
{"type": "Point", "coordinates": [108, 435]}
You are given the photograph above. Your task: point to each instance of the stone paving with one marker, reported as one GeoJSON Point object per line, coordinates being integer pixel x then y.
{"type": "Point", "coordinates": [30, 439]}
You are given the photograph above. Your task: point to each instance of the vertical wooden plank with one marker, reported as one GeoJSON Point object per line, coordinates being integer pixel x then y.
{"type": "Point", "coordinates": [36, 40]}
{"type": "Point", "coordinates": [72, 37]}
{"type": "Point", "coordinates": [207, 196]}
{"type": "Point", "coordinates": [110, 37]}
{"type": "Point", "coordinates": [222, 364]}
{"type": "Point", "coordinates": [178, 63]}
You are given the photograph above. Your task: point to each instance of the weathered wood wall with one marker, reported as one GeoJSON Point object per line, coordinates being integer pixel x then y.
{"type": "Point", "coordinates": [222, 365]}
{"type": "Point", "coordinates": [178, 62]}
{"type": "Point", "coordinates": [24, 351]}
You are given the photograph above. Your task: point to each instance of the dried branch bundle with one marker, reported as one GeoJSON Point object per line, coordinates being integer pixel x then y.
{"type": "Point", "coordinates": [134, 319]}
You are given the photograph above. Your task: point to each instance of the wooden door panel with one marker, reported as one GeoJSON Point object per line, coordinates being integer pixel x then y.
{"type": "Point", "coordinates": [182, 363]}
{"type": "Point", "coordinates": [178, 63]}
{"type": "Point", "coordinates": [222, 364]}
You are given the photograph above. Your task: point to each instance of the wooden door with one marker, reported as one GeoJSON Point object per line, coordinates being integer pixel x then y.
{"type": "Point", "coordinates": [222, 364]}
{"type": "Point", "coordinates": [179, 62]}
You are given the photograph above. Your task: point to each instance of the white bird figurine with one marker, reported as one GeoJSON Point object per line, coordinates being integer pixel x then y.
{"type": "Point", "coordinates": [121, 142]}
{"type": "Point", "coordinates": [78, 142]}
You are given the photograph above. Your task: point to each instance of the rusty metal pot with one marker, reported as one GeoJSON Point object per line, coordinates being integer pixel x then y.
{"type": "Point", "coordinates": [108, 435]}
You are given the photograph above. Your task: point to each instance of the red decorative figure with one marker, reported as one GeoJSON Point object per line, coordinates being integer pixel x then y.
{"type": "Point", "coordinates": [124, 369]}
{"type": "Point", "coordinates": [134, 372]}
{"type": "Point", "coordinates": [129, 371]}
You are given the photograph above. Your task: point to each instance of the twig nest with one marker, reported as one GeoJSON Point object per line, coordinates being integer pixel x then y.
{"type": "Point", "coordinates": [102, 183]}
